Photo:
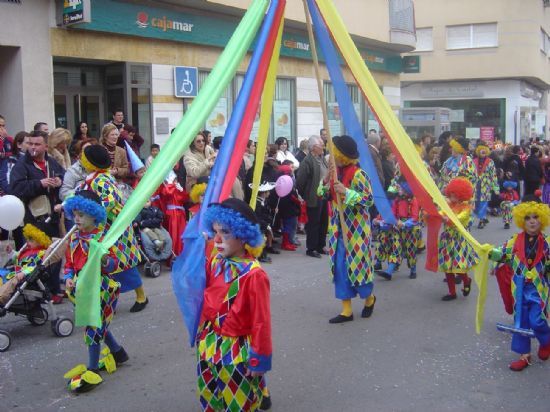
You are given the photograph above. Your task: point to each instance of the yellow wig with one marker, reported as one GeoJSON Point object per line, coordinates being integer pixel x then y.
{"type": "Point", "coordinates": [531, 208]}
{"type": "Point", "coordinates": [457, 147]}
{"type": "Point", "coordinates": [196, 192]}
{"type": "Point", "coordinates": [254, 251]}
{"type": "Point", "coordinates": [341, 158]}
{"type": "Point", "coordinates": [483, 148]}
{"type": "Point", "coordinates": [33, 233]}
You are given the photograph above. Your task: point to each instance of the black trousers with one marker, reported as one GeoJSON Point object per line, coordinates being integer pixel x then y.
{"type": "Point", "coordinates": [317, 226]}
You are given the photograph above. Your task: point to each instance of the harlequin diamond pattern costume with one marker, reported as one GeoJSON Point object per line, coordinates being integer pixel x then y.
{"type": "Point", "coordinates": [455, 255]}
{"type": "Point", "coordinates": [96, 160]}
{"type": "Point", "coordinates": [82, 378]}
{"type": "Point", "coordinates": [351, 261]}
{"type": "Point", "coordinates": [526, 265]}
{"type": "Point", "coordinates": [458, 165]}
{"type": "Point", "coordinates": [487, 182]}
{"type": "Point", "coordinates": [234, 336]}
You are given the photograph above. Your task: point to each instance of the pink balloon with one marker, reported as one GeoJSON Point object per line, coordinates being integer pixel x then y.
{"type": "Point", "coordinates": [283, 185]}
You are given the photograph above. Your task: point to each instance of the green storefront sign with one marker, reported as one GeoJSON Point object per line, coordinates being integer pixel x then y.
{"type": "Point", "coordinates": [151, 22]}
{"type": "Point", "coordinates": [75, 11]}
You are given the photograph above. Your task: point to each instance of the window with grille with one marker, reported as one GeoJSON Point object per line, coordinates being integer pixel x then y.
{"type": "Point", "coordinates": [472, 36]}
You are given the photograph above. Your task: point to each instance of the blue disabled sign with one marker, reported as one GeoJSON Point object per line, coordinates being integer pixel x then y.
{"type": "Point", "coordinates": [185, 81]}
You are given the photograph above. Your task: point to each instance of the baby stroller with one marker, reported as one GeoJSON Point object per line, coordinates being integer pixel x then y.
{"type": "Point", "coordinates": [155, 252]}
{"type": "Point", "coordinates": [31, 295]}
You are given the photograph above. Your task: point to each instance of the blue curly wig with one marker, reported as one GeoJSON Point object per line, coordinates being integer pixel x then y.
{"type": "Point", "coordinates": [510, 183]}
{"type": "Point", "coordinates": [240, 227]}
{"type": "Point", "coordinates": [86, 206]}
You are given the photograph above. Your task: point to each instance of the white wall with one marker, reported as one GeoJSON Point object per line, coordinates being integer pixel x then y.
{"type": "Point", "coordinates": [163, 85]}
{"type": "Point", "coordinates": [26, 80]}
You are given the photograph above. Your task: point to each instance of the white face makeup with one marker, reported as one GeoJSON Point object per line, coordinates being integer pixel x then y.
{"type": "Point", "coordinates": [84, 222]}
{"type": "Point", "coordinates": [532, 224]}
{"type": "Point", "coordinates": [225, 243]}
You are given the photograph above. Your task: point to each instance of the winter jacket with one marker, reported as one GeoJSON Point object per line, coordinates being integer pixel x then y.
{"type": "Point", "coordinates": [308, 177]}
{"type": "Point", "coordinates": [74, 176]}
{"type": "Point", "coordinates": [150, 217]}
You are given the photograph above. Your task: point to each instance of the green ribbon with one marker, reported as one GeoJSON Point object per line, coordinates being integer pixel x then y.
{"type": "Point", "coordinates": [87, 308]}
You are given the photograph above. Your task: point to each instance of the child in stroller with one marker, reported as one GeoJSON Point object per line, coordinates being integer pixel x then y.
{"type": "Point", "coordinates": [22, 290]}
{"type": "Point", "coordinates": [155, 239]}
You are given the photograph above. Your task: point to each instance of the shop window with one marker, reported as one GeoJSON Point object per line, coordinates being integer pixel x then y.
{"type": "Point", "coordinates": [283, 118]}
{"type": "Point", "coordinates": [335, 123]}
{"type": "Point", "coordinates": [216, 122]}
{"type": "Point", "coordinates": [471, 36]}
{"type": "Point", "coordinates": [424, 39]}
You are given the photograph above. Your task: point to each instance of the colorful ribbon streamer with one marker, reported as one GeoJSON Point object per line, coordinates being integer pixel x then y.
{"type": "Point", "coordinates": [87, 309]}
{"type": "Point", "coordinates": [188, 271]}
{"type": "Point", "coordinates": [265, 118]}
{"type": "Point", "coordinates": [348, 114]}
{"type": "Point", "coordinates": [402, 143]}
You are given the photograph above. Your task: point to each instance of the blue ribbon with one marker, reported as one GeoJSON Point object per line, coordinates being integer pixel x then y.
{"type": "Point", "coordinates": [349, 116]}
{"type": "Point", "coordinates": [188, 271]}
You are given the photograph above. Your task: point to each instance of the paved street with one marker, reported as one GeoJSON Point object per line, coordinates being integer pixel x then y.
{"type": "Point", "coordinates": [416, 353]}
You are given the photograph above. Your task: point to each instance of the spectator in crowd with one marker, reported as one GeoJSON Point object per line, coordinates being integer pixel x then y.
{"type": "Point", "coordinates": [443, 142]}
{"type": "Point", "coordinates": [284, 154]}
{"type": "Point", "coordinates": [76, 173]}
{"type": "Point", "coordinates": [58, 146]}
{"type": "Point", "coordinates": [118, 119]}
{"type": "Point", "coordinates": [36, 179]}
{"type": "Point", "coordinates": [20, 145]}
{"type": "Point", "coordinates": [129, 134]}
{"type": "Point", "coordinates": [6, 141]}
{"type": "Point", "coordinates": [249, 155]}
{"type": "Point", "coordinates": [82, 133]}
{"type": "Point", "coordinates": [313, 170]}
{"type": "Point", "coordinates": [388, 165]}
{"type": "Point", "coordinates": [533, 171]}
{"type": "Point", "coordinates": [207, 137]}
{"type": "Point", "coordinates": [301, 153]}
{"type": "Point", "coordinates": [198, 161]}
{"type": "Point", "coordinates": [216, 143]}
{"type": "Point", "coordinates": [513, 165]}
{"type": "Point", "coordinates": [155, 150]}
{"type": "Point", "coordinates": [119, 160]}
{"type": "Point", "coordinates": [324, 136]}
{"type": "Point", "coordinates": [374, 142]}
{"type": "Point", "coordinates": [41, 127]}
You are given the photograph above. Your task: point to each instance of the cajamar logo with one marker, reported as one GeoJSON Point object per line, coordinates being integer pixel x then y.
{"type": "Point", "coordinates": [162, 23]}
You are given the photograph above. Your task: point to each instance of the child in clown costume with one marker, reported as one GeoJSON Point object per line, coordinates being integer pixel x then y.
{"type": "Point", "coordinates": [527, 255]}
{"type": "Point", "coordinates": [455, 255]}
{"type": "Point", "coordinates": [196, 195]}
{"type": "Point", "coordinates": [89, 216]}
{"type": "Point", "coordinates": [510, 198]}
{"type": "Point", "coordinates": [234, 336]}
{"type": "Point", "coordinates": [350, 261]}
{"type": "Point", "coordinates": [458, 164]}
{"type": "Point", "coordinates": [405, 235]}
{"type": "Point", "coordinates": [25, 260]}
{"type": "Point", "coordinates": [487, 182]}
{"type": "Point", "coordinates": [95, 159]}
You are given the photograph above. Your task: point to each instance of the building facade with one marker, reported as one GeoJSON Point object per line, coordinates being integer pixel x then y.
{"type": "Point", "coordinates": [124, 55]}
{"type": "Point", "coordinates": [489, 64]}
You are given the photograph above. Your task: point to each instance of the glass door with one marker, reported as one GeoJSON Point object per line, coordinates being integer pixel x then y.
{"type": "Point", "coordinates": [88, 108]}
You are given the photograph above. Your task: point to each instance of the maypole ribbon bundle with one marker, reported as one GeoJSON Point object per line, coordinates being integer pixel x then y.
{"type": "Point", "coordinates": [401, 141]}
{"type": "Point", "coordinates": [265, 118]}
{"type": "Point", "coordinates": [348, 114]}
{"type": "Point", "coordinates": [255, 96]}
{"type": "Point", "coordinates": [87, 310]}
{"type": "Point", "coordinates": [188, 272]}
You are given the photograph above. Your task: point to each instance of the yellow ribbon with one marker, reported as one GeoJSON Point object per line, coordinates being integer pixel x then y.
{"type": "Point", "coordinates": [402, 142]}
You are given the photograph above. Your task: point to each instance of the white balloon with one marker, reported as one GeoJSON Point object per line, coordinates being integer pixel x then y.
{"type": "Point", "coordinates": [12, 212]}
